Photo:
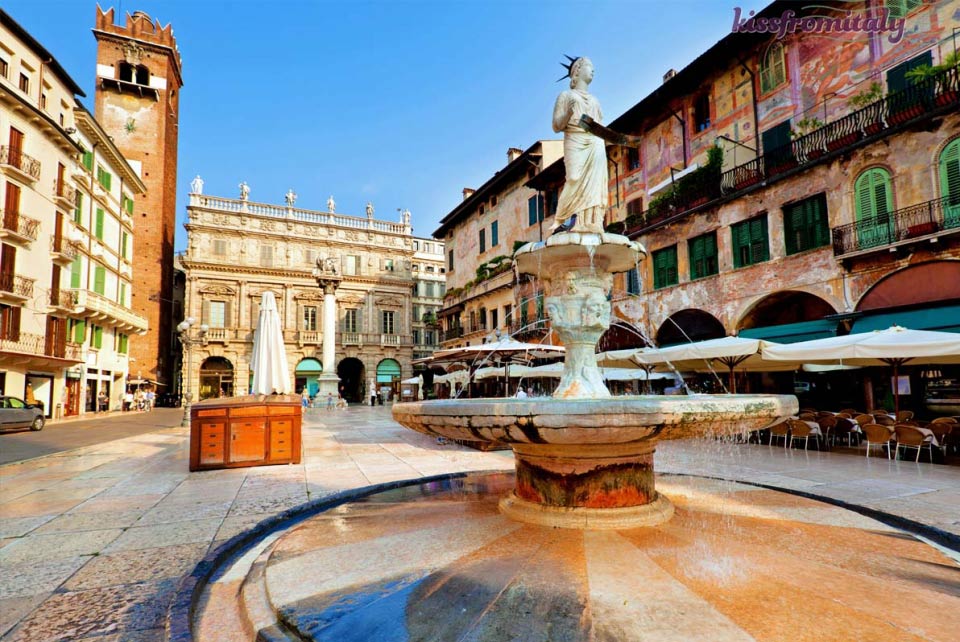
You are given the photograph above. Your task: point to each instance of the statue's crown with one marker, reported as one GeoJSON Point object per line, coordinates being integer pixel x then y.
{"type": "Point", "coordinates": [568, 66]}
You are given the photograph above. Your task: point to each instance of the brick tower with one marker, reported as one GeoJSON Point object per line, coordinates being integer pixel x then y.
{"type": "Point", "coordinates": [137, 103]}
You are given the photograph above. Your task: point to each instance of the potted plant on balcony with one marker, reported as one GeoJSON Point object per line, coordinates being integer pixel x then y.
{"type": "Point", "coordinates": [870, 119]}
{"type": "Point", "coordinates": [805, 144]}
{"type": "Point", "coordinates": [947, 85]}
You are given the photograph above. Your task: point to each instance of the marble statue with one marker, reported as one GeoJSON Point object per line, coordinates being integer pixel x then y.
{"type": "Point", "coordinates": [369, 209]}
{"type": "Point", "coordinates": [244, 190]}
{"type": "Point", "coordinates": [196, 185]}
{"type": "Point", "coordinates": [583, 199]}
{"type": "Point", "coordinates": [331, 205]}
{"type": "Point", "coordinates": [290, 197]}
{"type": "Point", "coordinates": [405, 217]}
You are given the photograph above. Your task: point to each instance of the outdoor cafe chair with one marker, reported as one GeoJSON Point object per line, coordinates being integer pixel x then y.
{"type": "Point", "coordinates": [878, 435]}
{"type": "Point", "coordinates": [904, 415]}
{"type": "Point", "coordinates": [944, 420]}
{"type": "Point", "coordinates": [911, 437]}
{"type": "Point", "coordinates": [862, 419]}
{"type": "Point", "coordinates": [884, 420]}
{"type": "Point", "coordinates": [800, 429]}
{"type": "Point", "coordinates": [827, 424]}
{"type": "Point", "coordinates": [942, 432]}
{"type": "Point", "coordinates": [845, 427]}
{"type": "Point", "coordinates": [853, 412]}
{"type": "Point", "coordinates": [807, 416]}
{"type": "Point", "coordinates": [878, 411]}
{"type": "Point", "coordinates": [781, 429]}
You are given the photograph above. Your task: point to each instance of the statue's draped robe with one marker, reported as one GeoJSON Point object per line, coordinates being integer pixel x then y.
{"type": "Point", "coordinates": [584, 157]}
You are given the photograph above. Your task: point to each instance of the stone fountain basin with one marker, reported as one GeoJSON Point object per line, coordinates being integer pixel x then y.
{"type": "Point", "coordinates": [585, 422]}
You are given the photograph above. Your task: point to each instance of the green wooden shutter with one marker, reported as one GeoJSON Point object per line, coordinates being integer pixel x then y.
{"type": "Point", "coordinates": [494, 234]}
{"type": "Point", "coordinates": [76, 269]}
{"type": "Point", "coordinates": [696, 249]}
{"type": "Point", "coordinates": [98, 229]}
{"type": "Point", "coordinates": [88, 160]}
{"type": "Point", "coordinates": [950, 184]}
{"type": "Point", "coordinates": [97, 338]}
{"type": "Point", "coordinates": [532, 210]}
{"type": "Point", "coordinates": [78, 209]}
{"type": "Point", "coordinates": [79, 330]}
{"type": "Point", "coordinates": [99, 279]}
{"type": "Point", "coordinates": [897, 76]}
{"type": "Point", "coordinates": [124, 237]}
{"type": "Point", "coordinates": [123, 294]}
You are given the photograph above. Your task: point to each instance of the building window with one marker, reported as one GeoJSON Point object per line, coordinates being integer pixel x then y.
{"type": "Point", "coordinates": [25, 83]}
{"type": "Point", "coordinates": [535, 209]}
{"type": "Point", "coordinates": [127, 204]}
{"type": "Point", "coordinates": [703, 256]}
{"type": "Point", "coordinates": [773, 71]}
{"type": "Point", "coordinates": [495, 234]}
{"type": "Point", "coordinates": [10, 322]}
{"type": "Point", "coordinates": [98, 226]}
{"type": "Point", "coordinates": [430, 269]}
{"type": "Point", "coordinates": [429, 338]}
{"type": "Point", "coordinates": [805, 225]}
{"type": "Point", "coordinates": [266, 255]}
{"type": "Point", "coordinates": [351, 265]}
{"type": "Point", "coordinates": [416, 338]}
{"type": "Point", "coordinates": [216, 314]}
{"type": "Point", "coordinates": [665, 267]}
{"type": "Point", "coordinates": [78, 208]}
{"type": "Point", "coordinates": [104, 178]}
{"type": "Point", "coordinates": [351, 320]}
{"type": "Point", "coordinates": [507, 320]}
{"type": "Point", "coordinates": [950, 183]}
{"type": "Point", "coordinates": [78, 330]}
{"type": "Point", "coordinates": [99, 279]}
{"type": "Point", "coordinates": [898, 77]}
{"type": "Point", "coordinates": [310, 257]}
{"type": "Point", "coordinates": [386, 322]}
{"type": "Point", "coordinates": [633, 159]}
{"type": "Point", "coordinates": [483, 241]}
{"type": "Point", "coordinates": [900, 8]}
{"type": "Point", "coordinates": [310, 318]}
{"type": "Point", "coordinates": [122, 296]}
{"type": "Point", "coordinates": [43, 101]}
{"type": "Point", "coordinates": [450, 261]}
{"type": "Point", "coordinates": [124, 242]}
{"type": "Point", "coordinates": [494, 324]}
{"type": "Point", "coordinates": [219, 247]}
{"type": "Point", "coordinates": [123, 344]}
{"type": "Point", "coordinates": [88, 161]}
{"type": "Point", "coordinates": [388, 265]}
{"type": "Point", "coordinates": [635, 207]}
{"type": "Point", "coordinates": [76, 271]}
{"type": "Point", "coordinates": [633, 281]}
{"type": "Point", "coordinates": [96, 337]}
{"type": "Point", "coordinates": [701, 112]}
{"type": "Point", "coordinates": [4, 67]}
{"type": "Point", "coordinates": [873, 200]}
{"type": "Point", "coordinates": [750, 242]}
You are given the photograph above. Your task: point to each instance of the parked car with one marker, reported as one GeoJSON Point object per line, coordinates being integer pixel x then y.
{"type": "Point", "coordinates": [17, 413]}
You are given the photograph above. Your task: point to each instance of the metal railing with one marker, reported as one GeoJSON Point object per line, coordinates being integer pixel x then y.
{"type": "Point", "coordinates": [17, 285]}
{"type": "Point", "coordinates": [62, 299]}
{"type": "Point", "coordinates": [453, 333]}
{"type": "Point", "coordinates": [66, 192]}
{"type": "Point", "coordinates": [919, 100]}
{"type": "Point", "coordinates": [41, 345]}
{"type": "Point", "coordinates": [62, 246]}
{"type": "Point", "coordinates": [21, 225]}
{"type": "Point", "coordinates": [18, 160]}
{"type": "Point", "coordinates": [525, 327]}
{"type": "Point", "coordinates": [915, 221]}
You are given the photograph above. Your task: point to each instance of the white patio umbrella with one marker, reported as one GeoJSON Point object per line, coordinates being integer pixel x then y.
{"type": "Point", "coordinates": [271, 374]}
{"type": "Point", "coordinates": [894, 346]}
{"type": "Point", "coordinates": [733, 352]}
{"type": "Point", "coordinates": [503, 349]}
{"type": "Point", "coordinates": [555, 370]}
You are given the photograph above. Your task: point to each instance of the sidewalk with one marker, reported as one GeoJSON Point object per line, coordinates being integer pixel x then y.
{"type": "Point", "coordinates": [94, 541]}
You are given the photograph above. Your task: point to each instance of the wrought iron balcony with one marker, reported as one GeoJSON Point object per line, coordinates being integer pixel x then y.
{"type": "Point", "coordinates": [453, 333]}
{"type": "Point", "coordinates": [14, 286]}
{"type": "Point", "coordinates": [20, 228]}
{"type": "Point", "coordinates": [62, 299]}
{"type": "Point", "coordinates": [529, 328]}
{"type": "Point", "coordinates": [38, 345]}
{"type": "Point", "coordinates": [923, 221]}
{"type": "Point", "coordinates": [63, 251]}
{"type": "Point", "coordinates": [65, 195]}
{"type": "Point", "coordinates": [14, 161]}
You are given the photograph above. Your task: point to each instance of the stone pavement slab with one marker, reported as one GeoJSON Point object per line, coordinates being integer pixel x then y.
{"type": "Point", "coordinates": [93, 541]}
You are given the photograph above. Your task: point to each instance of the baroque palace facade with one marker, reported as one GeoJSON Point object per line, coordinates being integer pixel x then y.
{"type": "Point", "coordinates": [786, 189]}
{"type": "Point", "coordinates": [239, 249]}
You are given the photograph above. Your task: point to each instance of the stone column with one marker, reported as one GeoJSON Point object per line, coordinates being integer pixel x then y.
{"type": "Point", "coordinates": [328, 380]}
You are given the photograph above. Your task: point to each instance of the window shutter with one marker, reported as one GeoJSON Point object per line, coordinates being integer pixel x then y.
{"type": "Point", "coordinates": [14, 333]}
{"type": "Point", "coordinates": [88, 160]}
{"type": "Point", "coordinates": [227, 314]}
{"type": "Point", "coordinates": [99, 279]}
{"type": "Point", "coordinates": [79, 330]}
{"type": "Point", "coordinates": [75, 269]}
{"type": "Point", "coordinates": [950, 172]}
{"type": "Point", "coordinates": [205, 312]}
{"type": "Point", "coordinates": [532, 210]}
{"type": "Point", "coordinates": [122, 298]}
{"type": "Point", "coordinates": [98, 230]}
{"type": "Point", "coordinates": [77, 211]}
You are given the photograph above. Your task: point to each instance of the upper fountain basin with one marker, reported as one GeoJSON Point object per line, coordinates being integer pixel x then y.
{"type": "Point", "coordinates": [612, 253]}
{"type": "Point", "coordinates": [615, 420]}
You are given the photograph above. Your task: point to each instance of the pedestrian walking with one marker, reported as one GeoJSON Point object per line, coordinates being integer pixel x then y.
{"type": "Point", "coordinates": [329, 401]}
{"type": "Point", "coordinates": [102, 401]}
{"type": "Point", "coordinates": [128, 401]}
{"type": "Point", "coordinates": [304, 397]}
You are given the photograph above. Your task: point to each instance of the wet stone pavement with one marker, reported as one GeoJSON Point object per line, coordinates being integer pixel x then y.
{"type": "Point", "coordinates": [94, 541]}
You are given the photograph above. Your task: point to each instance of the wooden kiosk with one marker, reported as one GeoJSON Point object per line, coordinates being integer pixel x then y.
{"type": "Point", "coordinates": [254, 430]}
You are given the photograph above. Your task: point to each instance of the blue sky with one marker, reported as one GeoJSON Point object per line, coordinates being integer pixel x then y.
{"type": "Point", "coordinates": [402, 103]}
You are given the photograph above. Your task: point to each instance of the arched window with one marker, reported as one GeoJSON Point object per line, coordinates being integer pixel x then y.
{"type": "Point", "coordinates": [773, 69]}
{"type": "Point", "coordinates": [126, 72]}
{"type": "Point", "coordinates": [143, 76]}
{"type": "Point", "coordinates": [950, 183]}
{"type": "Point", "coordinates": [873, 195]}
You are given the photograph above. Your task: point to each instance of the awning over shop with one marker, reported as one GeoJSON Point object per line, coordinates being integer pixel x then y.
{"type": "Point", "coordinates": [793, 332]}
{"type": "Point", "coordinates": [308, 366]}
{"type": "Point", "coordinates": [387, 370]}
{"type": "Point", "coordinates": [941, 319]}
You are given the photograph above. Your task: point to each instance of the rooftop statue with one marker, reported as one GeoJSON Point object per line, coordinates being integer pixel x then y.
{"type": "Point", "coordinates": [244, 190]}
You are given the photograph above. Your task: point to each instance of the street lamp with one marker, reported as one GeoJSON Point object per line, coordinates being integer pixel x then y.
{"type": "Point", "coordinates": [187, 341]}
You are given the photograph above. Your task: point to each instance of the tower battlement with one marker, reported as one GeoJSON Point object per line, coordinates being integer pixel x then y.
{"type": "Point", "coordinates": [139, 26]}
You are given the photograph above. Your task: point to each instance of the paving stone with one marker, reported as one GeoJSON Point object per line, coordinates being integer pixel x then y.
{"type": "Point", "coordinates": [137, 566]}
{"type": "Point", "coordinates": [40, 548]}
{"type": "Point", "coordinates": [37, 577]}
{"type": "Point", "coordinates": [20, 526]}
{"type": "Point", "coordinates": [12, 610]}
{"type": "Point", "coordinates": [73, 522]}
{"type": "Point", "coordinates": [164, 535]}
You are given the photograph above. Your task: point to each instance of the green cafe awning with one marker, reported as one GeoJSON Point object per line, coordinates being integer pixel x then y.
{"type": "Point", "coordinates": [309, 366]}
{"type": "Point", "coordinates": [387, 370]}
{"type": "Point", "coordinates": [942, 319]}
{"type": "Point", "coordinates": [793, 332]}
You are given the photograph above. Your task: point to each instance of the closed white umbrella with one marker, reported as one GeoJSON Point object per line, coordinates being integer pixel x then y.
{"type": "Point", "coordinates": [271, 374]}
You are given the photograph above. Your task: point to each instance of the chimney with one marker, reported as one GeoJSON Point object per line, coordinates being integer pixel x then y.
{"type": "Point", "coordinates": [670, 74]}
{"type": "Point", "coordinates": [513, 154]}
{"type": "Point", "coordinates": [468, 192]}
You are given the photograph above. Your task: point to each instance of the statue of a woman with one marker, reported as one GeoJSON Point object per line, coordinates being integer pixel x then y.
{"type": "Point", "coordinates": [583, 200]}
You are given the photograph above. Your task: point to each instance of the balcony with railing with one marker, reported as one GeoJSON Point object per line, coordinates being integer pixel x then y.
{"type": "Point", "coordinates": [529, 328]}
{"type": "Point", "coordinates": [63, 251]}
{"type": "Point", "coordinates": [18, 228]}
{"type": "Point", "coordinates": [14, 162]}
{"type": "Point", "coordinates": [99, 308]}
{"type": "Point", "coordinates": [41, 347]}
{"type": "Point", "coordinates": [16, 288]}
{"type": "Point", "coordinates": [309, 338]}
{"type": "Point", "coordinates": [65, 195]}
{"type": "Point", "coordinates": [918, 223]}
{"type": "Point", "coordinates": [926, 99]}
{"type": "Point", "coordinates": [62, 300]}
{"type": "Point", "coordinates": [453, 333]}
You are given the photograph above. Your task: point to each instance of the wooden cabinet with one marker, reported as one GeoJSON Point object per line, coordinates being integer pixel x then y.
{"type": "Point", "coordinates": [255, 430]}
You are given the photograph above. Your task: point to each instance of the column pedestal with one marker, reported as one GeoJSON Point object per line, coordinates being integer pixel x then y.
{"type": "Point", "coordinates": [328, 381]}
